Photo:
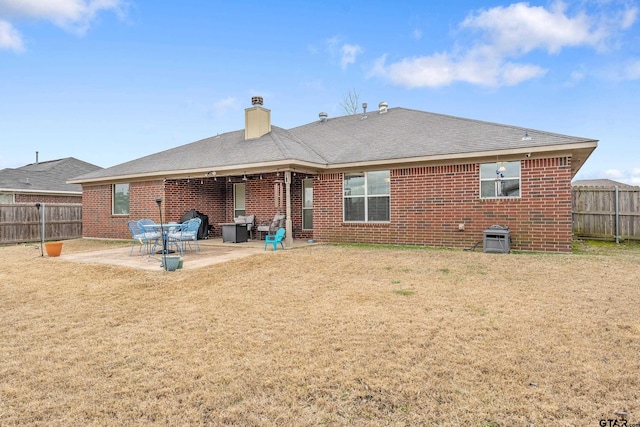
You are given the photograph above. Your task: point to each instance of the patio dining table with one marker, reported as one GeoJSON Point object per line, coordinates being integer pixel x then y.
{"type": "Point", "coordinates": [164, 229]}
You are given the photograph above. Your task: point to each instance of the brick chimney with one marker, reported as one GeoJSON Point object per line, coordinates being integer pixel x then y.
{"type": "Point", "coordinates": [257, 119]}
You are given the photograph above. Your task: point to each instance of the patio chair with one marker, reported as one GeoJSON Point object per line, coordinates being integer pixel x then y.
{"type": "Point", "coordinates": [188, 233]}
{"type": "Point", "coordinates": [271, 227]}
{"type": "Point", "coordinates": [139, 234]}
{"type": "Point", "coordinates": [136, 235]}
{"type": "Point", "coordinates": [249, 220]}
{"type": "Point", "coordinates": [274, 239]}
{"type": "Point", "coordinates": [151, 234]}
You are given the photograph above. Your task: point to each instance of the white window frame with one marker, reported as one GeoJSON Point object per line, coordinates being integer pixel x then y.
{"type": "Point", "coordinates": [307, 184]}
{"type": "Point", "coordinates": [365, 193]}
{"type": "Point", "coordinates": [114, 191]}
{"type": "Point", "coordinates": [239, 200]}
{"type": "Point", "coordinates": [500, 173]}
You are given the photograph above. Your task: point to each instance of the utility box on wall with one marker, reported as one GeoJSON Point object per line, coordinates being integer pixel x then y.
{"type": "Point", "coordinates": [497, 239]}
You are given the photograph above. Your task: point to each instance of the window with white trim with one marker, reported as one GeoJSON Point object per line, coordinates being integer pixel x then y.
{"type": "Point", "coordinates": [367, 196]}
{"type": "Point", "coordinates": [120, 202]}
{"type": "Point", "coordinates": [500, 179]}
{"type": "Point", "coordinates": [239, 207]}
{"type": "Point", "coordinates": [307, 204]}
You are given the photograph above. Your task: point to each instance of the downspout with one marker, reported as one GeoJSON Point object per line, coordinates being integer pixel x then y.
{"type": "Point", "coordinates": [288, 237]}
{"type": "Point", "coordinates": [617, 215]}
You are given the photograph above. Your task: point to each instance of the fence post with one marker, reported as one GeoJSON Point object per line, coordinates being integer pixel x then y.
{"type": "Point", "coordinates": [44, 222]}
{"type": "Point", "coordinates": [617, 215]}
{"type": "Point", "coordinates": [41, 226]}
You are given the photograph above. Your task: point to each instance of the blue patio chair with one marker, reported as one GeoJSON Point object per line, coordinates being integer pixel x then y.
{"type": "Point", "coordinates": [139, 234]}
{"type": "Point", "coordinates": [274, 239]}
{"type": "Point", "coordinates": [151, 235]}
{"type": "Point", "coordinates": [188, 233]}
{"type": "Point", "coordinates": [136, 236]}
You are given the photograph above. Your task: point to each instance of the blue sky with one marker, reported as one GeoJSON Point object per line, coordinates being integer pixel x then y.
{"type": "Point", "coordinates": [108, 81]}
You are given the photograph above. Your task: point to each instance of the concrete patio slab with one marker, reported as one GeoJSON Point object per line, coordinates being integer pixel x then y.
{"type": "Point", "coordinates": [212, 251]}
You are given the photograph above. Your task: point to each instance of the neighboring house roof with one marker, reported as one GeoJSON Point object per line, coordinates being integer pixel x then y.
{"type": "Point", "coordinates": [599, 183]}
{"type": "Point", "coordinates": [398, 137]}
{"type": "Point", "coordinates": [45, 177]}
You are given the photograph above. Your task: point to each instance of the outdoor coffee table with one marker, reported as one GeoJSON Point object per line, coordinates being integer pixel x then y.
{"type": "Point", "coordinates": [234, 232]}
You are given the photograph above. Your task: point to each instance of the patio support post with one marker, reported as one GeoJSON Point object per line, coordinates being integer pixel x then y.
{"type": "Point", "coordinates": [288, 237]}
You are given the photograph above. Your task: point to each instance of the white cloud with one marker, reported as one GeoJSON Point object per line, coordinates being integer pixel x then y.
{"type": "Point", "coordinates": [520, 28]}
{"type": "Point", "coordinates": [72, 15]}
{"type": "Point", "coordinates": [443, 69]}
{"type": "Point", "coordinates": [629, 17]}
{"type": "Point", "coordinates": [345, 52]}
{"type": "Point", "coordinates": [9, 37]}
{"type": "Point", "coordinates": [416, 34]}
{"type": "Point", "coordinates": [348, 54]}
{"type": "Point", "coordinates": [513, 74]}
{"type": "Point", "coordinates": [433, 70]}
{"type": "Point", "coordinates": [507, 33]}
{"type": "Point", "coordinates": [625, 176]}
{"type": "Point", "coordinates": [629, 176]}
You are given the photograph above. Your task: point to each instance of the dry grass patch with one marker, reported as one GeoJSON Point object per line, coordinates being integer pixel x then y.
{"type": "Point", "coordinates": [323, 335]}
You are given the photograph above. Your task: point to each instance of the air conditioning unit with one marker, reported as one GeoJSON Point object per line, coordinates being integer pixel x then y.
{"type": "Point", "coordinates": [497, 239]}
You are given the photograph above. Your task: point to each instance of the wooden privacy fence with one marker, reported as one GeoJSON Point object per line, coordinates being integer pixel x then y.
{"type": "Point", "coordinates": [22, 222]}
{"type": "Point", "coordinates": [603, 213]}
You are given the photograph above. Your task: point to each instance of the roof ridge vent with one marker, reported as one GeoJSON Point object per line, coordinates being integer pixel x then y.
{"type": "Point", "coordinates": [383, 107]}
{"type": "Point", "coordinates": [323, 116]}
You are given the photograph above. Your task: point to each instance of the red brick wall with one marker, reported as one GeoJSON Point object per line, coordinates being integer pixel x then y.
{"type": "Point", "coordinates": [97, 219]}
{"type": "Point", "coordinates": [428, 204]}
{"type": "Point", "coordinates": [212, 197]}
{"type": "Point", "coordinates": [260, 200]}
{"type": "Point", "coordinates": [206, 195]}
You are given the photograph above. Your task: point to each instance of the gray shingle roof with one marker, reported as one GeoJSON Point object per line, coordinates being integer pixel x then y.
{"type": "Point", "coordinates": [600, 183]}
{"type": "Point", "coordinates": [402, 133]}
{"type": "Point", "coordinates": [47, 176]}
{"type": "Point", "coordinates": [398, 134]}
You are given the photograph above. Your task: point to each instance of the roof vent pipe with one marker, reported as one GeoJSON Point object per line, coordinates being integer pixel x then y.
{"type": "Point", "coordinates": [323, 116]}
{"type": "Point", "coordinates": [364, 110]}
{"type": "Point", "coordinates": [383, 107]}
